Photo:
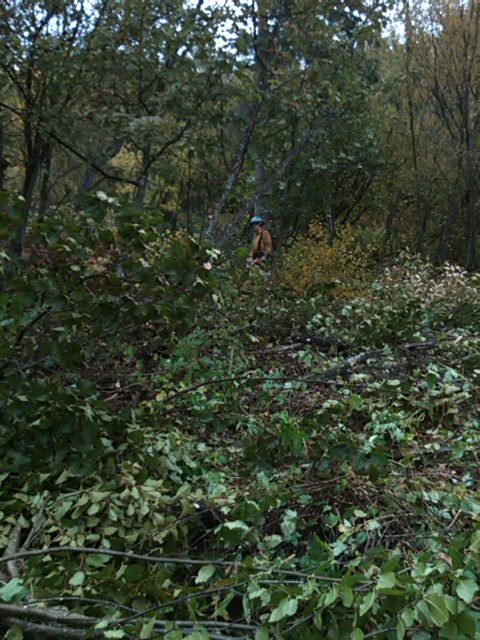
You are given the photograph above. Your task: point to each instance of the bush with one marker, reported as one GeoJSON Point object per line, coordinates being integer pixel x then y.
{"type": "Point", "coordinates": [314, 261]}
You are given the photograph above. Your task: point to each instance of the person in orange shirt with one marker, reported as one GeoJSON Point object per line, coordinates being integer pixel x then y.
{"type": "Point", "coordinates": [262, 245]}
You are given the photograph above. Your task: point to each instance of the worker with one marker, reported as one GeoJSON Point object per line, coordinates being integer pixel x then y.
{"type": "Point", "coordinates": [262, 245]}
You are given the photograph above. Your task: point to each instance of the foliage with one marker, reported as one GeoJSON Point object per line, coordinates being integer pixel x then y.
{"type": "Point", "coordinates": [315, 259]}
{"type": "Point", "coordinates": [104, 293]}
{"type": "Point", "coordinates": [182, 459]}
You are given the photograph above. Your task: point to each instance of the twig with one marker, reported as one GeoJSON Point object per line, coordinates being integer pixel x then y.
{"type": "Point", "coordinates": [166, 560]}
{"type": "Point", "coordinates": [44, 613]}
{"type": "Point", "coordinates": [379, 632]}
{"type": "Point", "coordinates": [454, 519]}
{"type": "Point", "coordinates": [322, 377]}
{"type": "Point", "coordinates": [33, 529]}
{"type": "Point", "coordinates": [298, 623]}
{"type": "Point", "coordinates": [79, 599]}
{"type": "Point", "coordinates": [111, 552]}
{"type": "Point", "coordinates": [346, 365]}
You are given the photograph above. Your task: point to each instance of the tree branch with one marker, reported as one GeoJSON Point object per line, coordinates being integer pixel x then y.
{"type": "Point", "coordinates": [97, 167]}
{"type": "Point", "coordinates": [268, 184]}
{"type": "Point", "coordinates": [234, 171]}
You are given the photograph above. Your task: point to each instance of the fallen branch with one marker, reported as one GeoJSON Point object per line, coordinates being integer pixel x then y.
{"type": "Point", "coordinates": [161, 559]}
{"type": "Point", "coordinates": [33, 530]}
{"type": "Point", "coordinates": [64, 621]}
{"type": "Point", "coordinates": [111, 552]}
{"type": "Point", "coordinates": [49, 631]}
{"type": "Point", "coordinates": [11, 550]}
{"type": "Point", "coordinates": [347, 365]}
{"type": "Point", "coordinates": [45, 614]}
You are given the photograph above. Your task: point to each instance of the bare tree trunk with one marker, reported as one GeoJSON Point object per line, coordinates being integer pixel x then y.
{"type": "Point", "coordinates": [93, 170]}
{"type": "Point", "coordinates": [268, 184]}
{"type": "Point", "coordinates": [141, 190]}
{"type": "Point", "coordinates": [421, 211]}
{"type": "Point", "coordinates": [472, 198]}
{"type": "Point", "coordinates": [259, 206]}
{"type": "Point", "coordinates": [440, 253]}
{"type": "Point", "coordinates": [234, 174]}
{"type": "Point", "coordinates": [331, 221]}
{"type": "Point", "coordinates": [45, 184]}
{"type": "Point", "coordinates": [32, 171]}
{"type": "Point", "coordinates": [3, 163]}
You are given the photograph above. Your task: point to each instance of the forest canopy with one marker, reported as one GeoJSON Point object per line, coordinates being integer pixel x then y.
{"type": "Point", "coordinates": [204, 112]}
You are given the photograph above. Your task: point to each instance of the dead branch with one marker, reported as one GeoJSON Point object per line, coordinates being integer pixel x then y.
{"type": "Point", "coordinates": [11, 550]}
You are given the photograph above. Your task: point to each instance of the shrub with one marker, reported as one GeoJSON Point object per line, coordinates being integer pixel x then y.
{"type": "Point", "coordinates": [314, 260]}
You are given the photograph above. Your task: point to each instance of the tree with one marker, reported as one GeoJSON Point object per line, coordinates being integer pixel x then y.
{"type": "Point", "coordinates": [313, 69]}
{"type": "Point", "coordinates": [105, 92]}
{"type": "Point", "coordinates": [454, 79]}
{"type": "Point", "coordinates": [438, 99]}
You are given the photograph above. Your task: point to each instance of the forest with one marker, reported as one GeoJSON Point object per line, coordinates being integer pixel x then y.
{"type": "Point", "coordinates": [196, 447]}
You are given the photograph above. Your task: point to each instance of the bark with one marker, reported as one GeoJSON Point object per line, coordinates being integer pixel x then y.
{"type": "Point", "coordinates": [235, 170]}
{"type": "Point", "coordinates": [141, 190]}
{"type": "Point", "coordinates": [263, 189]}
{"type": "Point", "coordinates": [445, 234]}
{"type": "Point", "coordinates": [3, 163]}
{"type": "Point", "coordinates": [45, 183]}
{"type": "Point", "coordinates": [420, 209]}
{"type": "Point", "coordinates": [471, 223]}
{"type": "Point", "coordinates": [93, 170]}
{"type": "Point", "coordinates": [32, 172]}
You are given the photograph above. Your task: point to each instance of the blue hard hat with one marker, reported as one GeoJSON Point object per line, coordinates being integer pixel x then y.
{"type": "Point", "coordinates": [257, 220]}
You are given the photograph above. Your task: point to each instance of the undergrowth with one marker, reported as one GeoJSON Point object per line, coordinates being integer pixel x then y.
{"type": "Point", "coordinates": [185, 456]}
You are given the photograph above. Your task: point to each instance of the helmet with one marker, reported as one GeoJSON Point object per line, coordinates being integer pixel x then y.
{"type": "Point", "coordinates": [257, 220]}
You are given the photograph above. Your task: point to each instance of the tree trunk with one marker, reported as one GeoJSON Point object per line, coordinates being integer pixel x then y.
{"type": "Point", "coordinates": [268, 184]}
{"type": "Point", "coordinates": [235, 170]}
{"type": "Point", "coordinates": [3, 162]}
{"type": "Point", "coordinates": [32, 171]}
{"type": "Point", "coordinates": [45, 184]}
{"type": "Point", "coordinates": [471, 214]}
{"type": "Point", "coordinates": [141, 190]}
{"type": "Point", "coordinates": [440, 253]}
{"type": "Point", "coordinates": [92, 171]}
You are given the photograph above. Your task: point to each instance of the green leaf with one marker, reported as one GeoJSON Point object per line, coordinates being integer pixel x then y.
{"type": "Point", "coordinates": [347, 595]}
{"type": "Point", "coordinates": [77, 579]}
{"type": "Point", "coordinates": [355, 401]}
{"type": "Point", "coordinates": [438, 609]}
{"type": "Point", "coordinates": [386, 580]}
{"type": "Point", "coordinates": [236, 524]}
{"type": "Point", "coordinates": [422, 613]}
{"type": "Point", "coordinates": [98, 560]}
{"type": "Point", "coordinates": [366, 603]}
{"type": "Point", "coordinates": [114, 633]}
{"type": "Point", "coordinates": [357, 634]}
{"type": "Point", "coordinates": [466, 623]}
{"type": "Point", "coordinates": [287, 607]}
{"type": "Point", "coordinates": [148, 629]}
{"type": "Point", "coordinates": [401, 628]}
{"type": "Point", "coordinates": [205, 573]}
{"type": "Point", "coordinates": [13, 590]}
{"type": "Point", "coordinates": [466, 589]}
{"type": "Point", "coordinates": [262, 633]}
{"type": "Point", "coordinates": [14, 633]}
{"type": "Point", "coordinates": [408, 616]}
{"type": "Point", "coordinates": [198, 635]}
{"type": "Point", "coordinates": [331, 595]}
{"type": "Point", "coordinates": [449, 630]}
{"type": "Point", "coordinates": [134, 572]}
